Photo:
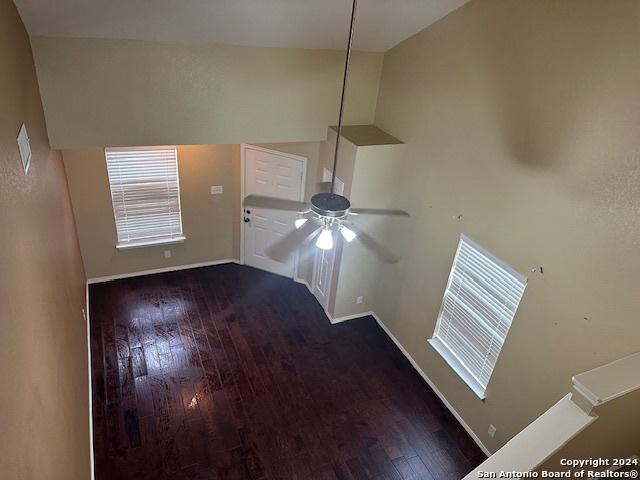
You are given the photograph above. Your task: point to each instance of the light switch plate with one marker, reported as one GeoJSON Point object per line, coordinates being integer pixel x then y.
{"type": "Point", "coordinates": [167, 254]}
{"type": "Point", "coordinates": [25, 148]}
{"type": "Point", "coordinates": [216, 190]}
{"type": "Point", "coordinates": [492, 430]}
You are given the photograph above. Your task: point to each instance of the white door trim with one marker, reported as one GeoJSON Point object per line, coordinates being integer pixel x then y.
{"type": "Point", "coordinates": [243, 148]}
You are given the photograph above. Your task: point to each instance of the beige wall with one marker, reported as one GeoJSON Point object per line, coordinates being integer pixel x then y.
{"type": "Point", "coordinates": [101, 92]}
{"type": "Point", "coordinates": [522, 117]}
{"type": "Point", "coordinates": [371, 174]}
{"type": "Point", "coordinates": [376, 173]}
{"type": "Point", "coordinates": [44, 418]}
{"type": "Point", "coordinates": [207, 220]}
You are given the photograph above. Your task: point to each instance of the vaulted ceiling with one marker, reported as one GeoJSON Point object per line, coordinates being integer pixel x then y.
{"type": "Point", "coordinates": [269, 23]}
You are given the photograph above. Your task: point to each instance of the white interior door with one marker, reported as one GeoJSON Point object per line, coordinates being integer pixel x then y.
{"type": "Point", "coordinates": [324, 260]}
{"type": "Point", "coordinates": [274, 174]}
{"type": "Point", "coordinates": [323, 275]}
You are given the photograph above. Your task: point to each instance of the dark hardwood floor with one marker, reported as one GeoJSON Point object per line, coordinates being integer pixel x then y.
{"type": "Point", "coordinates": [228, 372]}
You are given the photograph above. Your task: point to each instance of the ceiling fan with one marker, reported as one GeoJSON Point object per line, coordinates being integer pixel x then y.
{"type": "Point", "coordinates": [328, 212]}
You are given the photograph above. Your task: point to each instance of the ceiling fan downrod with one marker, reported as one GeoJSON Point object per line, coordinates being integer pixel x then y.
{"type": "Point", "coordinates": [342, 96]}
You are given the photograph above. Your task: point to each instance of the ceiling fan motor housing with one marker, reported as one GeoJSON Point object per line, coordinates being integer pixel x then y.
{"type": "Point", "coordinates": [330, 205]}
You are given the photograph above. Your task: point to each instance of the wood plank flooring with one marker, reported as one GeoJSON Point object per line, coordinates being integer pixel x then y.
{"type": "Point", "coordinates": [228, 372]}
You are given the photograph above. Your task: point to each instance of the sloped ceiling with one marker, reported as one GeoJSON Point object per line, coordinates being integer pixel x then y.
{"type": "Point", "coordinates": [317, 24]}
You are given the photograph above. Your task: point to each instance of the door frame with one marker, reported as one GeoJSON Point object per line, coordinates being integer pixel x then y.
{"type": "Point", "coordinates": [243, 148]}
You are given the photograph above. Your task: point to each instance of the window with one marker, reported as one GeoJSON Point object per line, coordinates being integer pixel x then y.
{"type": "Point", "coordinates": [480, 300]}
{"type": "Point", "coordinates": [145, 193]}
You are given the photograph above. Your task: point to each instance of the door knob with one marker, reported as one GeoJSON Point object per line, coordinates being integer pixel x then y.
{"type": "Point", "coordinates": [246, 220]}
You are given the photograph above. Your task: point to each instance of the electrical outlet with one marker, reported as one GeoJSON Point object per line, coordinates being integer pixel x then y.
{"type": "Point", "coordinates": [359, 300]}
{"type": "Point", "coordinates": [216, 190]}
{"type": "Point", "coordinates": [492, 430]}
{"type": "Point", "coordinates": [167, 254]}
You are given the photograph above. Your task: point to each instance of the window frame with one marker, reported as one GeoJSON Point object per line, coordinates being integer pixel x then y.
{"type": "Point", "coordinates": [146, 241]}
{"type": "Point", "coordinates": [446, 351]}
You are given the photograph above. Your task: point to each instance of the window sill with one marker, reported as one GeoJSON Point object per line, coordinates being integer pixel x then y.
{"type": "Point", "coordinates": [150, 243]}
{"type": "Point", "coordinates": [457, 367]}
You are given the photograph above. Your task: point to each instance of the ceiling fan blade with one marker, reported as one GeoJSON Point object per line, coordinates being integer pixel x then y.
{"type": "Point", "coordinates": [372, 244]}
{"type": "Point", "coordinates": [293, 240]}
{"type": "Point", "coordinates": [379, 211]}
{"type": "Point", "coordinates": [275, 203]}
{"type": "Point", "coordinates": [323, 187]}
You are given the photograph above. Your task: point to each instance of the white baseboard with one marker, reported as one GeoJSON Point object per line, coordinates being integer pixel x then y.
{"type": "Point", "coordinates": [303, 282]}
{"type": "Point", "coordinates": [174, 268]}
{"type": "Point", "coordinates": [432, 385]}
{"type": "Point", "coordinates": [347, 317]}
{"type": "Point", "coordinates": [331, 319]}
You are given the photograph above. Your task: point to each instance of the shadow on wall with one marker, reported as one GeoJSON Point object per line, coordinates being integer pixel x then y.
{"type": "Point", "coordinates": [567, 106]}
{"type": "Point", "coordinates": [546, 105]}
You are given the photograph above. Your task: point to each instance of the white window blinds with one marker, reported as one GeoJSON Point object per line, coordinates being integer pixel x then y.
{"type": "Point", "coordinates": [145, 193]}
{"type": "Point", "coordinates": [479, 304]}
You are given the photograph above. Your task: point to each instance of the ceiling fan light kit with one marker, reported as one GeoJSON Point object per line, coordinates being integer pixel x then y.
{"type": "Point", "coordinates": [328, 212]}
